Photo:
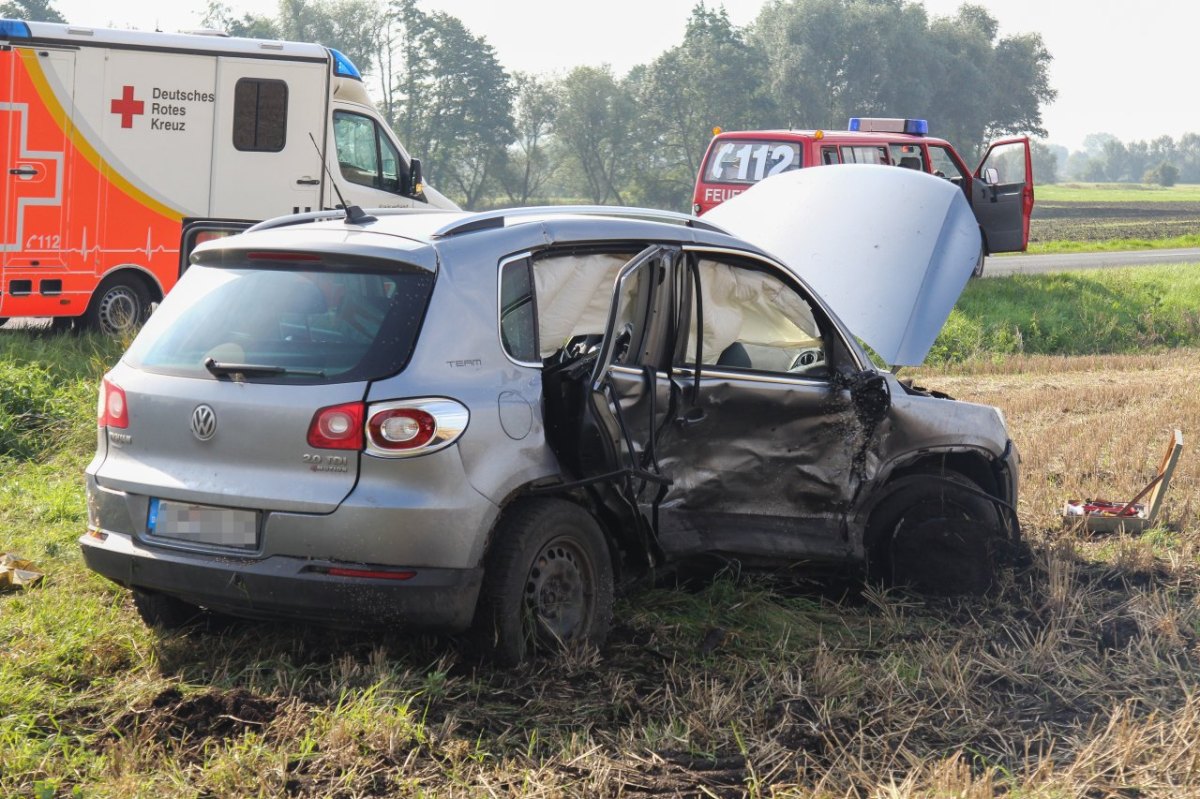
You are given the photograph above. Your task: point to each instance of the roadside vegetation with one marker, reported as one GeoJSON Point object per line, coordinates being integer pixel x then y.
{"type": "Point", "coordinates": [1078, 677]}
{"type": "Point", "coordinates": [1089, 312]}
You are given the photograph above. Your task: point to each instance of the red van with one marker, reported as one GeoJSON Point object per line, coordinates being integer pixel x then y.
{"type": "Point", "coordinates": [1000, 190]}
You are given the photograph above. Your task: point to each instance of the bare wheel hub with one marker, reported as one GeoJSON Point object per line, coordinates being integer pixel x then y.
{"type": "Point", "coordinates": [559, 590]}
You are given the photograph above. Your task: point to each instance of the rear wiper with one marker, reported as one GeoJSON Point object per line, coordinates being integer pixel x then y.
{"type": "Point", "coordinates": [224, 369]}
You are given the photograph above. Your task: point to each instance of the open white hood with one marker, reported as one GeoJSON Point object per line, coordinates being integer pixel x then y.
{"type": "Point", "coordinates": [890, 249]}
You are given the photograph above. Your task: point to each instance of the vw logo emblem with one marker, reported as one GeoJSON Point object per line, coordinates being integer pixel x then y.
{"type": "Point", "coordinates": [204, 422]}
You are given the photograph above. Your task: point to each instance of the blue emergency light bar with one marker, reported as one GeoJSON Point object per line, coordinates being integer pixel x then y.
{"type": "Point", "coordinates": [13, 29]}
{"type": "Point", "coordinates": [913, 127]}
{"type": "Point", "coordinates": [343, 66]}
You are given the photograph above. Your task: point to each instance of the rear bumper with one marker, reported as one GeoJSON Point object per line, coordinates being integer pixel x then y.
{"type": "Point", "coordinates": [281, 587]}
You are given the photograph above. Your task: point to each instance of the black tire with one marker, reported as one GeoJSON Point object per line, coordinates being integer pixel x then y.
{"type": "Point", "coordinates": [936, 533]}
{"type": "Point", "coordinates": [166, 613]}
{"type": "Point", "coordinates": [548, 582]}
{"type": "Point", "coordinates": [3, 321]}
{"type": "Point", "coordinates": [978, 270]}
{"type": "Point", "coordinates": [119, 306]}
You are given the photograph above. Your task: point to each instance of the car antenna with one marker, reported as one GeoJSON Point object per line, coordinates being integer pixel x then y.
{"type": "Point", "coordinates": [354, 214]}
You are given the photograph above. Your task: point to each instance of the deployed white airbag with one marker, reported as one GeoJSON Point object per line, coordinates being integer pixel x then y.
{"type": "Point", "coordinates": [889, 249]}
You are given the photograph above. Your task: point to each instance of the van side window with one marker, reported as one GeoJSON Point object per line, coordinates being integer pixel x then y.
{"type": "Point", "coordinates": [909, 156]}
{"type": "Point", "coordinates": [863, 155]}
{"type": "Point", "coordinates": [260, 115]}
{"type": "Point", "coordinates": [366, 155]}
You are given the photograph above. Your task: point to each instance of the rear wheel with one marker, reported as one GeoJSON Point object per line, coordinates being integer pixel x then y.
{"type": "Point", "coordinates": [119, 306]}
{"type": "Point", "coordinates": [937, 534]}
{"type": "Point", "coordinates": [548, 582]}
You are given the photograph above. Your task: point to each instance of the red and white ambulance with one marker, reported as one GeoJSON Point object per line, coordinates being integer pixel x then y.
{"type": "Point", "coordinates": [1000, 189]}
{"type": "Point", "coordinates": [122, 149]}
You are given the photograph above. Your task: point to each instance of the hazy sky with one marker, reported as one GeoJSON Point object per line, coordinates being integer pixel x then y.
{"type": "Point", "coordinates": [1118, 67]}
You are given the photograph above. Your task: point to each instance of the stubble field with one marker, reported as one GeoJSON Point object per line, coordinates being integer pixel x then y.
{"type": "Point", "coordinates": [1078, 678]}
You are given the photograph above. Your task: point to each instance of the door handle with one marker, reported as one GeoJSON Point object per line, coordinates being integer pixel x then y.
{"type": "Point", "coordinates": [307, 182]}
{"type": "Point", "coordinates": [23, 171]}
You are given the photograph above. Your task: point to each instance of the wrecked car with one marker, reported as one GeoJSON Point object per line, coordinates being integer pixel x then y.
{"type": "Point", "coordinates": [484, 421]}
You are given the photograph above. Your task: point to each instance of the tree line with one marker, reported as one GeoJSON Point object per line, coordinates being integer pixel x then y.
{"type": "Point", "coordinates": [1164, 160]}
{"type": "Point", "coordinates": [489, 136]}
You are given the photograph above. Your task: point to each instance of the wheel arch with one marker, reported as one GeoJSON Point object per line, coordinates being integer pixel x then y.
{"type": "Point", "coordinates": [153, 286]}
{"type": "Point", "coordinates": [617, 534]}
{"type": "Point", "coordinates": [981, 467]}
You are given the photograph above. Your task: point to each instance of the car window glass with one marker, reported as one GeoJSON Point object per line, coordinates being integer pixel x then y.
{"type": "Point", "coordinates": [518, 322]}
{"type": "Point", "coordinates": [908, 156]}
{"type": "Point", "coordinates": [734, 161]}
{"type": "Point", "coordinates": [754, 321]}
{"type": "Point", "coordinates": [323, 326]}
{"type": "Point", "coordinates": [863, 155]}
{"type": "Point", "coordinates": [260, 115]}
{"type": "Point", "coordinates": [1009, 160]}
{"type": "Point", "coordinates": [355, 140]}
{"type": "Point", "coordinates": [944, 165]}
{"type": "Point", "coordinates": [829, 155]}
{"type": "Point", "coordinates": [389, 166]}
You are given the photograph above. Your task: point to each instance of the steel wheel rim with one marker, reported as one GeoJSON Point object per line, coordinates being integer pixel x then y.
{"type": "Point", "coordinates": [118, 311]}
{"type": "Point", "coordinates": [559, 591]}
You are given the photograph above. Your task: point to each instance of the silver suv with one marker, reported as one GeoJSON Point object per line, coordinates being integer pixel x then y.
{"type": "Point", "coordinates": [457, 421]}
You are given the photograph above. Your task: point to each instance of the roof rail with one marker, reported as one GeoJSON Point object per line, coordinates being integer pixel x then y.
{"type": "Point", "coordinates": [332, 213]}
{"type": "Point", "coordinates": [497, 219]}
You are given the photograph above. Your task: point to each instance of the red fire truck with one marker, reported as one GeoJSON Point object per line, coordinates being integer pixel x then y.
{"type": "Point", "coordinates": [1000, 189]}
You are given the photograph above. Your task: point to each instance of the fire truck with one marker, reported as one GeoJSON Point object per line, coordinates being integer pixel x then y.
{"type": "Point", "coordinates": [123, 149]}
{"type": "Point", "coordinates": [1000, 189]}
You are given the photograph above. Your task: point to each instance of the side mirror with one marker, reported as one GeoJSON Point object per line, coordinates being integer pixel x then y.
{"type": "Point", "coordinates": [991, 176]}
{"type": "Point", "coordinates": [871, 396]}
{"type": "Point", "coordinates": [417, 183]}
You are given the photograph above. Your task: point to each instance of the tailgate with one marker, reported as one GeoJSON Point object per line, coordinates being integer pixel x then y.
{"type": "Point", "coordinates": [257, 457]}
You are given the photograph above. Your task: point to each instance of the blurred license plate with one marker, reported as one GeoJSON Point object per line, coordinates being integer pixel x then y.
{"type": "Point", "coordinates": [203, 524]}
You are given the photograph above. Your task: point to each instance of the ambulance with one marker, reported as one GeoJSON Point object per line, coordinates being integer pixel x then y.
{"type": "Point", "coordinates": [124, 149]}
{"type": "Point", "coordinates": [999, 190]}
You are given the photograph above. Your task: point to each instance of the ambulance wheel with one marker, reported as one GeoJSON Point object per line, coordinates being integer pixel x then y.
{"type": "Point", "coordinates": [118, 307]}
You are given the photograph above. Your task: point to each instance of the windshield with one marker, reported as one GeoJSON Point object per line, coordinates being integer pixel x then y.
{"type": "Point", "coordinates": [285, 325]}
{"type": "Point", "coordinates": [741, 161]}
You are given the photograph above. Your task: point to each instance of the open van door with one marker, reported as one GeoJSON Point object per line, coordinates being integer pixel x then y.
{"type": "Point", "coordinates": [1002, 195]}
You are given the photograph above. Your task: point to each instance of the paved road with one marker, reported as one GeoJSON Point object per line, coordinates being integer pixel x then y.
{"type": "Point", "coordinates": [1031, 264]}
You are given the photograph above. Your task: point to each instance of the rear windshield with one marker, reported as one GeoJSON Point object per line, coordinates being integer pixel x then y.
{"type": "Point", "coordinates": [742, 161]}
{"type": "Point", "coordinates": [300, 326]}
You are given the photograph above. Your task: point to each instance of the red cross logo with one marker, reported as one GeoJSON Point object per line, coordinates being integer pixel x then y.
{"type": "Point", "coordinates": [128, 107]}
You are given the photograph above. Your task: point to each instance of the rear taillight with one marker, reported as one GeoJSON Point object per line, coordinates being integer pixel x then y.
{"type": "Point", "coordinates": [405, 428]}
{"type": "Point", "coordinates": [397, 429]}
{"type": "Point", "coordinates": [111, 410]}
{"type": "Point", "coordinates": [337, 427]}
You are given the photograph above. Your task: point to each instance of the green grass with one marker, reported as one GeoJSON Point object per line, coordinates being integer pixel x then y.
{"type": "Point", "coordinates": [1112, 245]}
{"type": "Point", "coordinates": [1074, 313]}
{"type": "Point", "coordinates": [1116, 192]}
